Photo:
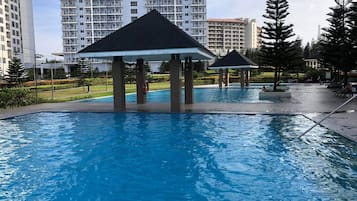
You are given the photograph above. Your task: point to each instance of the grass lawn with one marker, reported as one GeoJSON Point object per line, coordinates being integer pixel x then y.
{"type": "Point", "coordinates": [69, 92]}
{"type": "Point", "coordinates": [77, 93]}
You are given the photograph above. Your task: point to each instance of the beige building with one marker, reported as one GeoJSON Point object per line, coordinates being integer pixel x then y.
{"type": "Point", "coordinates": [232, 34]}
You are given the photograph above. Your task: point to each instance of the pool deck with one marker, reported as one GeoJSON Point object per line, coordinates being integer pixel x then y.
{"type": "Point", "coordinates": [312, 100]}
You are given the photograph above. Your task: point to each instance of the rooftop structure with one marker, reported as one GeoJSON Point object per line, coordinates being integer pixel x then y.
{"type": "Point", "coordinates": [234, 60]}
{"type": "Point", "coordinates": [152, 37]}
{"type": "Point", "coordinates": [87, 21]}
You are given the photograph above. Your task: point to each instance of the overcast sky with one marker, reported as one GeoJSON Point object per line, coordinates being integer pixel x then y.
{"type": "Point", "coordinates": [306, 15]}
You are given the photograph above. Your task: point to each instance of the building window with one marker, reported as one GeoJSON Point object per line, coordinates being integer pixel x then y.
{"type": "Point", "coordinates": [134, 11]}
{"type": "Point", "coordinates": [133, 3]}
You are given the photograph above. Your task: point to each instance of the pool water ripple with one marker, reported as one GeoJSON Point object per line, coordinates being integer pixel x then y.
{"type": "Point", "coordinates": [201, 95]}
{"type": "Point", "coordinates": [92, 156]}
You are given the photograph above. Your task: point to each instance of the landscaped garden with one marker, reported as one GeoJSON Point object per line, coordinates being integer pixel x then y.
{"type": "Point", "coordinates": [61, 90]}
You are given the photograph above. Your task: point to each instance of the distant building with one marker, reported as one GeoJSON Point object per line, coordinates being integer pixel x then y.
{"type": "Point", "coordinates": [16, 33]}
{"type": "Point", "coordinates": [312, 63]}
{"type": "Point", "coordinates": [87, 21]}
{"type": "Point", "coordinates": [232, 34]}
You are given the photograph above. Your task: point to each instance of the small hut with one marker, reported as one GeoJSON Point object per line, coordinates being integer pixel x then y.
{"type": "Point", "coordinates": [234, 60]}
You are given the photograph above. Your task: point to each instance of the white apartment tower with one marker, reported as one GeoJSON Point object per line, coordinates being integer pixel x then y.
{"type": "Point", "coordinates": [16, 33]}
{"type": "Point", "coordinates": [86, 21]}
{"type": "Point", "coordinates": [189, 15]}
{"type": "Point", "coordinates": [232, 34]}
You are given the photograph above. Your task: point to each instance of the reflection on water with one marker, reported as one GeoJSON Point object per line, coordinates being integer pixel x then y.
{"type": "Point", "coordinates": [201, 95]}
{"type": "Point", "coordinates": [90, 156]}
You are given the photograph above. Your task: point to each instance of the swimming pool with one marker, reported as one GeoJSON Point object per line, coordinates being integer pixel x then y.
{"type": "Point", "coordinates": [106, 156]}
{"type": "Point", "coordinates": [201, 95]}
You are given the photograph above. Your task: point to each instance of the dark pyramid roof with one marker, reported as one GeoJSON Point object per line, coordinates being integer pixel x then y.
{"type": "Point", "coordinates": [234, 60]}
{"type": "Point", "coordinates": [150, 32]}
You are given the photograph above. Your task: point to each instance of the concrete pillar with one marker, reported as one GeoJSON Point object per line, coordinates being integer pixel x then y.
{"type": "Point", "coordinates": [247, 77]}
{"type": "Point", "coordinates": [188, 81]}
{"type": "Point", "coordinates": [140, 82]}
{"type": "Point", "coordinates": [220, 78]}
{"type": "Point", "coordinates": [175, 83]}
{"type": "Point", "coordinates": [42, 71]}
{"type": "Point", "coordinates": [66, 69]}
{"type": "Point", "coordinates": [242, 78]}
{"type": "Point", "coordinates": [118, 69]}
{"type": "Point", "coordinates": [226, 84]}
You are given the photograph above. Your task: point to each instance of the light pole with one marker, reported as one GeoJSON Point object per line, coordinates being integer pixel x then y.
{"type": "Point", "coordinates": [52, 86]}
{"type": "Point", "coordinates": [2, 63]}
{"type": "Point", "coordinates": [35, 78]}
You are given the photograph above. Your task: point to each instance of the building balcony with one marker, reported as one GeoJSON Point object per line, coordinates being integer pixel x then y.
{"type": "Point", "coordinates": [104, 6]}
{"type": "Point", "coordinates": [66, 6]}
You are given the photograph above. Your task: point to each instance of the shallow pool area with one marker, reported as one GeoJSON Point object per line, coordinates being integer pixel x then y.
{"type": "Point", "coordinates": [135, 156]}
{"type": "Point", "coordinates": [201, 95]}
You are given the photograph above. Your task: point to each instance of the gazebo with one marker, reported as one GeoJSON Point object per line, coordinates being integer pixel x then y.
{"type": "Point", "coordinates": [150, 38]}
{"type": "Point", "coordinates": [233, 60]}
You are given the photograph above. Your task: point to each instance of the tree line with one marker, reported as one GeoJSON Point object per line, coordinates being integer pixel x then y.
{"type": "Point", "coordinates": [335, 50]}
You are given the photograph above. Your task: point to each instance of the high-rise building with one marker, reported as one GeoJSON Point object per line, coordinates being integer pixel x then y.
{"type": "Point", "coordinates": [16, 33]}
{"type": "Point", "coordinates": [232, 34]}
{"type": "Point", "coordinates": [86, 21]}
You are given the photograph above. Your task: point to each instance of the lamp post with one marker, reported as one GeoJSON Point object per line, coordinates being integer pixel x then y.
{"type": "Point", "coordinates": [52, 86]}
{"type": "Point", "coordinates": [2, 63]}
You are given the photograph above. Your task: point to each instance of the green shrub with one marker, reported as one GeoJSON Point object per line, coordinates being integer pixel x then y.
{"type": "Point", "coordinates": [15, 98]}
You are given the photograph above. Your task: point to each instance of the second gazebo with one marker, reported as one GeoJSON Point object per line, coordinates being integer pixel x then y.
{"type": "Point", "coordinates": [234, 60]}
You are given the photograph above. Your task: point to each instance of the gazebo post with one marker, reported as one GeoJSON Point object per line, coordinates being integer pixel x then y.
{"type": "Point", "coordinates": [247, 77]}
{"type": "Point", "coordinates": [188, 81]}
{"type": "Point", "coordinates": [226, 84]}
{"type": "Point", "coordinates": [118, 69]}
{"type": "Point", "coordinates": [242, 78]}
{"type": "Point", "coordinates": [140, 82]}
{"type": "Point", "coordinates": [220, 78]}
{"type": "Point", "coordinates": [175, 83]}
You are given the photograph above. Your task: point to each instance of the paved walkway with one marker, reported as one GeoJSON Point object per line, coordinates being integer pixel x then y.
{"type": "Point", "coordinates": [312, 100]}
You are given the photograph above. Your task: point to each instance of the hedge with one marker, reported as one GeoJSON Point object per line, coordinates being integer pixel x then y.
{"type": "Point", "coordinates": [16, 98]}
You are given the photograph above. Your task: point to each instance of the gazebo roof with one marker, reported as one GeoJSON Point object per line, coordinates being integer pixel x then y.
{"type": "Point", "coordinates": [151, 37]}
{"type": "Point", "coordinates": [233, 60]}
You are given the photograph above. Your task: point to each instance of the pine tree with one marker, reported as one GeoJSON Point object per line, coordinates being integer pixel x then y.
{"type": "Point", "coordinates": [15, 71]}
{"type": "Point", "coordinates": [315, 51]}
{"type": "Point", "coordinates": [253, 55]}
{"type": "Point", "coordinates": [336, 47]}
{"type": "Point", "coordinates": [307, 51]}
{"type": "Point", "coordinates": [352, 24]}
{"type": "Point", "coordinates": [296, 63]}
{"type": "Point", "coordinates": [276, 48]}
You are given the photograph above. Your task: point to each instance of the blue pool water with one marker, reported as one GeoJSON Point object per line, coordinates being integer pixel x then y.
{"type": "Point", "coordinates": [201, 95]}
{"type": "Point", "coordinates": [92, 156]}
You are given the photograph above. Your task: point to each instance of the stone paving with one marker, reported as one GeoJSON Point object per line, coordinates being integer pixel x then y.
{"type": "Point", "coordinates": [311, 100]}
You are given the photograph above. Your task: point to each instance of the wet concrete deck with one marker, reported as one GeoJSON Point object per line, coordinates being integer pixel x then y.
{"type": "Point", "coordinates": [311, 100]}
